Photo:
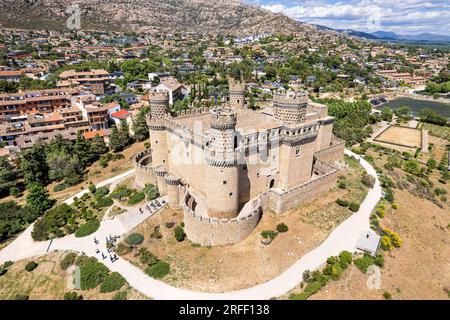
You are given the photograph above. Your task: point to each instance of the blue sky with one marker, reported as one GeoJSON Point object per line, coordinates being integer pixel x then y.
{"type": "Point", "coordinates": [400, 16]}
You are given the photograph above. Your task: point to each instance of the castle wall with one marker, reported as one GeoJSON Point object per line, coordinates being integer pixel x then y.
{"type": "Point", "coordinates": [333, 153]}
{"type": "Point", "coordinates": [282, 201]}
{"type": "Point", "coordinates": [216, 232]}
{"type": "Point", "coordinates": [144, 173]}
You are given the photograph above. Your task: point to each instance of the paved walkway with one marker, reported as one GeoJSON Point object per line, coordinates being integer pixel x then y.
{"type": "Point", "coordinates": [344, 237]}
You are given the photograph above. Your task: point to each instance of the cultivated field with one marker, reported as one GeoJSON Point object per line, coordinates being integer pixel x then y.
{"type": "Point", "coordinates": [401, 136]}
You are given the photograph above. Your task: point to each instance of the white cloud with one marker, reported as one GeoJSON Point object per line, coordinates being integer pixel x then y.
{"type": "Point", "coordinates": [405, 16]}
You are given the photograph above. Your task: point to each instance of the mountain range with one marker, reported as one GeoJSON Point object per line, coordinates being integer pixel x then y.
{"type": "Point", "coordinates": [152, 16]}
{"type": "Point", "coordinates": [386, 35]}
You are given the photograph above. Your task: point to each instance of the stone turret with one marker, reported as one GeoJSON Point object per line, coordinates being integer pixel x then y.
{"type": "Point", "coordinates": [237, 94]}
{"type": "Point", "coordinates": [222, 194]}
{"type": "Point", "coordinates": [290, 107]}
{"type": "Point", "coordinates": [159, 104]}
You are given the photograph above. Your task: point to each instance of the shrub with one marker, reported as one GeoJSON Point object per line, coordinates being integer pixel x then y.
{"type": "Point", "coordinates": [105, 202]}
{"type": "Point", "coordinates": [82, 260]}
{"type": "Point", "coordinates": [387, 295]}
{"type": "Point", "coordinates": [121, 295]}
{"type": "Point", "coordinates": [88, 228]}
{"type": "Point", "coordinates": [134, 239]}
{"type": "Point", "coordinates": [395, 238]}
{"type": "Point", "coordinates": [113, 282]}
{"type": "Point", "coordinates": [158, 270]}
{"type": "Point", "coordinates": [147, 257]}
{"type": "Point", "coordinates": [15, 192]}
{"type": "Point", "coordinates": [72, 296]}
{"type": "Point", "coordinates": [386, 243]}
{"type": "Point", "coordinates": [380, 212]}
{"type": "Point", "coordinates": [3, 271]}
{"type": "Point", "coordinates": [180, 235]}
{"type": "Point", "coordinates": [156, 234]}
{"type": "Point", "coordinates": [353, 206]}
{"type": "Point", "coordinates": [169, 225]}
{"type": "Point", "coordinates": [269, 234]}
{"type": "Point", "coordinates": [345, 259]}
{"type": "Point", "coordinates": [101, 192]}
{"type": "Point", "coordinates": [367, 260]}
{"type": "Point", "coordinates": [68, 260]}
{"type": "Point", "coordinates": [92, 273]}
{"type": "Point", "coordinates": [368, 180]}
{"type": "Point", "coordinates": [92, 188]}
{"type": "Point", "coordinates": [21, 297]}
{"type": "Point", "coordinates": [440, 191]}
{"type": "Point", "coordinates": [342, 185]}
{"type": "Point", "coordinates": [123, 249]}
{"type": "Point", "coordinates": [8, 264]}
{"type": "Point", "coordinates": [151, 192]}
{"type": "Point", "coordinates": [136, 198]}
{"type": "Point", "coordinates": [30, 266]}
{"type": "Point", "coordinates": [282, 228]}
{"type": "Point", "coordinates": [61, 187]}
{"type": "Point", "coordinates": [341, 202]}
{"type": "Point", "coordinates": [311, 288]}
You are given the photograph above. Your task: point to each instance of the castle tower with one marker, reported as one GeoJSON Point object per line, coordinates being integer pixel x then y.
{"type": "Point", "coordinates": [173, 190]}
{"type": "Point", "coordinates": [159, 104]}
{"type": "Point", "coordinates": [298, 139]}
{"type": "Point", "coordinates": [290, 107]}
{"type": "Point", "coordinates": [237, 94]}
{"type": "Point", "coordinates": [222, 180]}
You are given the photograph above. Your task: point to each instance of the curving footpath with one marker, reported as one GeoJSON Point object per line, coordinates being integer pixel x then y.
{"type": "Point", "coordinates": [344, 237]}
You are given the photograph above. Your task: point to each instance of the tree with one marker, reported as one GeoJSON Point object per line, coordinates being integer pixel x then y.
{"type": "Point", "coordinates": [64, 166]}
{"type": "Point", "coordinates": [387, 114]}
{"type": "Point", "coordinates": [82, 149]}
{"type": "Point", "coordinates": [38, 200]}
{"type": "Point", "coordinates": [8, 175]}
{"type": "Point", "coordinates": [114, 140]}
{"type": "Point", "coordinates": [33, 164]}
{"type": "Point", "coordinates": [98, 146]}
{"type": "Point", "coordinates": [140, 127]}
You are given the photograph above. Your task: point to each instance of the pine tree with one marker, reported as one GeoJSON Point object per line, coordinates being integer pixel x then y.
{"type": "Point", "coordinates": [81, 148]}
{"type": "Point", "coordinates": [38, 200]}
{"type": "Point", "coordinates": [33, 164]}
{"type": "Point", "coordinates": [98, 147]}
{"type": "Point", "coordinates": [140, 127]}
{"type": "Point", "coordinates": [114, 140]}
{"type": "Point", "coordinates": [8, 175]}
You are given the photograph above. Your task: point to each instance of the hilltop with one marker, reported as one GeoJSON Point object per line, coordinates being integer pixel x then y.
{"type": "Point", "coordinates": [152, 16]}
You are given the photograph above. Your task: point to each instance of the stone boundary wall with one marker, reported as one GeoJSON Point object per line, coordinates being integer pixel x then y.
{"type": "Point", "coordinates": [144, 173]}
{"type": "Point", "coordinates": [217, 232]}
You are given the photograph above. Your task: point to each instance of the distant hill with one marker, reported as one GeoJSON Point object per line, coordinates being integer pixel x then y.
{"type": "Point", "coordinates": [386, 35]}
{"type": "Point", "coordinates": [196, 16]}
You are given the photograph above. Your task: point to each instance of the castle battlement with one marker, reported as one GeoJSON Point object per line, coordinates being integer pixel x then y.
{"type": "Point", "coordinates": [290, 98]}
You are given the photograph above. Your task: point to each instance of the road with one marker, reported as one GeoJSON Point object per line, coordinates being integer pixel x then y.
{"type": "Point", "coordinates": [344, 237]}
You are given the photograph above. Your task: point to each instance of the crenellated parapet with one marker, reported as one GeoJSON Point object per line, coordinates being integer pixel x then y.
{"type": "Point", "coordinates": [208, 231]}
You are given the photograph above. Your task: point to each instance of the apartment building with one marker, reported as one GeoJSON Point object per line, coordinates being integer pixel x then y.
{"type": "Point", "coordinates": [94, 81]}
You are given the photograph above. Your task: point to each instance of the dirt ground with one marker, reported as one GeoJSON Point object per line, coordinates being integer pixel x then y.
{"type": "Point", "coordinates": [401, 135]}
{"type": "Point", "coordinates": [420, 269]}
{"type": "Point", "coordinates": [49, 282]}
{"type": "Point", "coordinates": [218, 269]}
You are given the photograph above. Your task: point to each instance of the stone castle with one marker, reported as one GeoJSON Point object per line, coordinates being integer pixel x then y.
{"type": "Point", "coordinates": [226, 165]}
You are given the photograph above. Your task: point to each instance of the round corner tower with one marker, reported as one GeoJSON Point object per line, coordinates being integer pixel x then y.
{"type": "Point", "coordinates": [237, 94]}
{"type": "Point", "coordinates": [159, 104]}
{"type": "Point", "coordinates": [290, 107]}
{"type": "Point", "coordinates": [222, 194]}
